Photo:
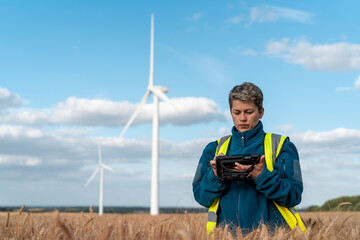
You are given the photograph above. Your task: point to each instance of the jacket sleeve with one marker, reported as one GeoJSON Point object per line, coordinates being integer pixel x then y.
{"type": "Point", "coordinates": [206, 185]}
{"type": "Point", "coordinates": [284, 184]}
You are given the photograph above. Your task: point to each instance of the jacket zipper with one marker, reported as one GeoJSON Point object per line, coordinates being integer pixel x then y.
{"type": "Point", "coordinates": [238, 206]}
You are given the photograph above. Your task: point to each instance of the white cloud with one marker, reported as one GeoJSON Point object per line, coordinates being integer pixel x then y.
{"type": "Point", "coordinates": [98, 112]}
{"type": "Point", "coordinates": [235, 19]}
{"type": "Point", "coordinates": [36, 145]}
{"type": "Point", "coordinates": [342, 89]}
{"type": "Point", "coordinates": [267, 13]}
{"type": "Point", "coordinates": [12, 131]}
{"type": "Point", "coordinates": [357, 84]}
{"type": "Point", "coordinates": [250, 52]}
{"type": "Point", "coordinates": [60, 156]}
{"type": "Point", "coordinates": [336, 56]}
{"type": "Point", "coordinates": [328, 159]}
{"type": "Point", "coordinates": [224, 131]}
{"type": "Point", "coordinates": [19, 160]}
{"type": "Point", "coordinates": [8, 99]}
{"type": "Point", "coordinates": [340, 140]}
{"type": "Point", "coordinates": [240, 51]}
{"type": "Point", "coordinates": [195, 16]}
{"type": "Point", "coordinates": [286, 128]}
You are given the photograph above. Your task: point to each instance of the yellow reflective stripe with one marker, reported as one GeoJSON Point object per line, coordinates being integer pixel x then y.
{"type": "Point", "coordinates": [214, 205]}
{"type": "Point", "coordinates": [268, 152]}
{"type": "Point", "coordinates": [300, 223]}
{"type": "Point", "coordinates": [287, 215]}
{"type": "Point", "coordinates": [212, 216]}
{"type": "Point", "coordinates": [272, 142]}
{"type": "Point", "coordinates": [291, 217]}
{"type": "Point", "coordinates": [210, 227]}
{"type": "Point", "coordinates": [223, 143]}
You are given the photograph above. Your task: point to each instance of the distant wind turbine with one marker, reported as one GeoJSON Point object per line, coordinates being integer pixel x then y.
{"type": "Point", "coordinates": [100, 168]}
{"type": "Point", "coordinates": [158, 92]}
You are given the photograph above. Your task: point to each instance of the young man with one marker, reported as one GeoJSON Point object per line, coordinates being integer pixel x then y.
{"type": "Point", "coordinates": [249, 203]}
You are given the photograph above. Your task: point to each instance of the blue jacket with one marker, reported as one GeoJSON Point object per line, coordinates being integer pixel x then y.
{"type": "Point", "coordinates": [248, 204]}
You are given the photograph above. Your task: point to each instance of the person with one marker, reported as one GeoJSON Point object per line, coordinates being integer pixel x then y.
{"type": "Point", "coordinates": [247, 204]}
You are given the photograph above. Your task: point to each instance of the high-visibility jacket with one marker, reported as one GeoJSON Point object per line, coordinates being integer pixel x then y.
{"type": "Point", "coordinates": [272, 147]}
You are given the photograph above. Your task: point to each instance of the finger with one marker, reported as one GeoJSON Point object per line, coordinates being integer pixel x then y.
{"type": "Point", "coordinates": [241, 167]}
{"type": "Point", "coordinates": [261, 161]}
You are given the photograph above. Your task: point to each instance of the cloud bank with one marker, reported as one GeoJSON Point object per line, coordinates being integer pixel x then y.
{"type": "Point", "coordinates": [8, 99]}
{"type": "Point", "coordinates": [357, 84]}
{"type": "Point", "coordinates": [53, 145]}
{"type": "Point", "coordinates": [336, 56]}
{"type": "Point", "coordinates": [98, 112]}
{"type": "Point", "coordinates": [267, 13]}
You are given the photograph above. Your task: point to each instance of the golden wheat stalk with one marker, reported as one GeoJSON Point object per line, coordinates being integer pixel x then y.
{"type": "Point", "coordinates": [343, 204]}
{"type": "Point", "coordinates": [88, 221]}
{"type": "Point", "coordinates": [107, 233]}
{"type": "Point", "coordinates": [26, 220]}
{"type": "Point", "coordinates": [183, 234]}
{"type": "Point", "coordinates": [7, 220]}
{"type": "Point", "coordinates": [62, 226]}
{"type": "Point", "coordinates": [22, 209]}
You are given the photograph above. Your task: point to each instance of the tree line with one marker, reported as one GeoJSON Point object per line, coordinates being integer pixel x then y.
{"type": "Point", "coordinates": [346, 203]}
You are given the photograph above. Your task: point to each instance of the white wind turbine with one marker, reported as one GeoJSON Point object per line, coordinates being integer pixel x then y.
{"type": "Point", "coordinates": [158, 92]}
{"type": "Point", "coordinates": [100, 168]}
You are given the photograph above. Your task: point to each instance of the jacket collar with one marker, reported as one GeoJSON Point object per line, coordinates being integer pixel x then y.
{"type": "Point", "coordinates": [250, 135]}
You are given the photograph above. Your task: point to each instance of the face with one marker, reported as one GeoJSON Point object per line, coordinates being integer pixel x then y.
{"type": "Point", "coordinates": [245, 115]}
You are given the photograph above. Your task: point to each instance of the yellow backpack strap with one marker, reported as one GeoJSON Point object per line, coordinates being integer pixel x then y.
{"type": "Point", "coordinates": [273, 144]}
{"type": "Point", "coordinates": [222, 147]}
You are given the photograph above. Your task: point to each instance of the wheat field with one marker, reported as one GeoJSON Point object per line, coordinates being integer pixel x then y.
{"type": "Point", "coordinates": [24, 225]}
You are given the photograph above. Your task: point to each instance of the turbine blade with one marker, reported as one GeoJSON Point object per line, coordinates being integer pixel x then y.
{"type": "Point", "coordinates": [107, 167]}
{"type": "Point", "coordinates": [158, 92]}
{"type": "Point", "coordinates": [99, 152]}
{"type": "Point", "coordinates": [151, 73]}
{"type": "Point", "coordinates": [136, 112]}
{"type": "Point", "coordinates": [92, 176]}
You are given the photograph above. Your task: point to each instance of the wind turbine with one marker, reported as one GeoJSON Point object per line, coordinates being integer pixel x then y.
{"type": "Point", "coordinates": [158, 92]}
{"type": "Point", "coordinates": [100, 168]}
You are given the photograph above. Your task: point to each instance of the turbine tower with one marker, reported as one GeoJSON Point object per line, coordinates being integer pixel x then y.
{"type": "Point", "coordinates": [100, 168]}
{"type": "Point", "coordinates": [158, 92]}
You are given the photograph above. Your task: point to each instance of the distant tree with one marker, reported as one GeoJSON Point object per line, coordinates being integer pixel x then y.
{"type": "Point", "coordinates": [345, 203]}
{"type": "Point", "coordinates": [313, 208]}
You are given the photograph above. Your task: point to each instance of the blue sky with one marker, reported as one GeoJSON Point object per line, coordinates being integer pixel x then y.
{"type": "Point", "coordinates": [71, 74]}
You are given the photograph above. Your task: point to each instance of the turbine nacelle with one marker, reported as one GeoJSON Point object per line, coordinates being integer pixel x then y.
{"type": "Point", "coordinates": [99, 167]}
{"type": "Point", "coordinates": [158, 91]}
{"type": "Point", "coordinates": [161, 88]}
